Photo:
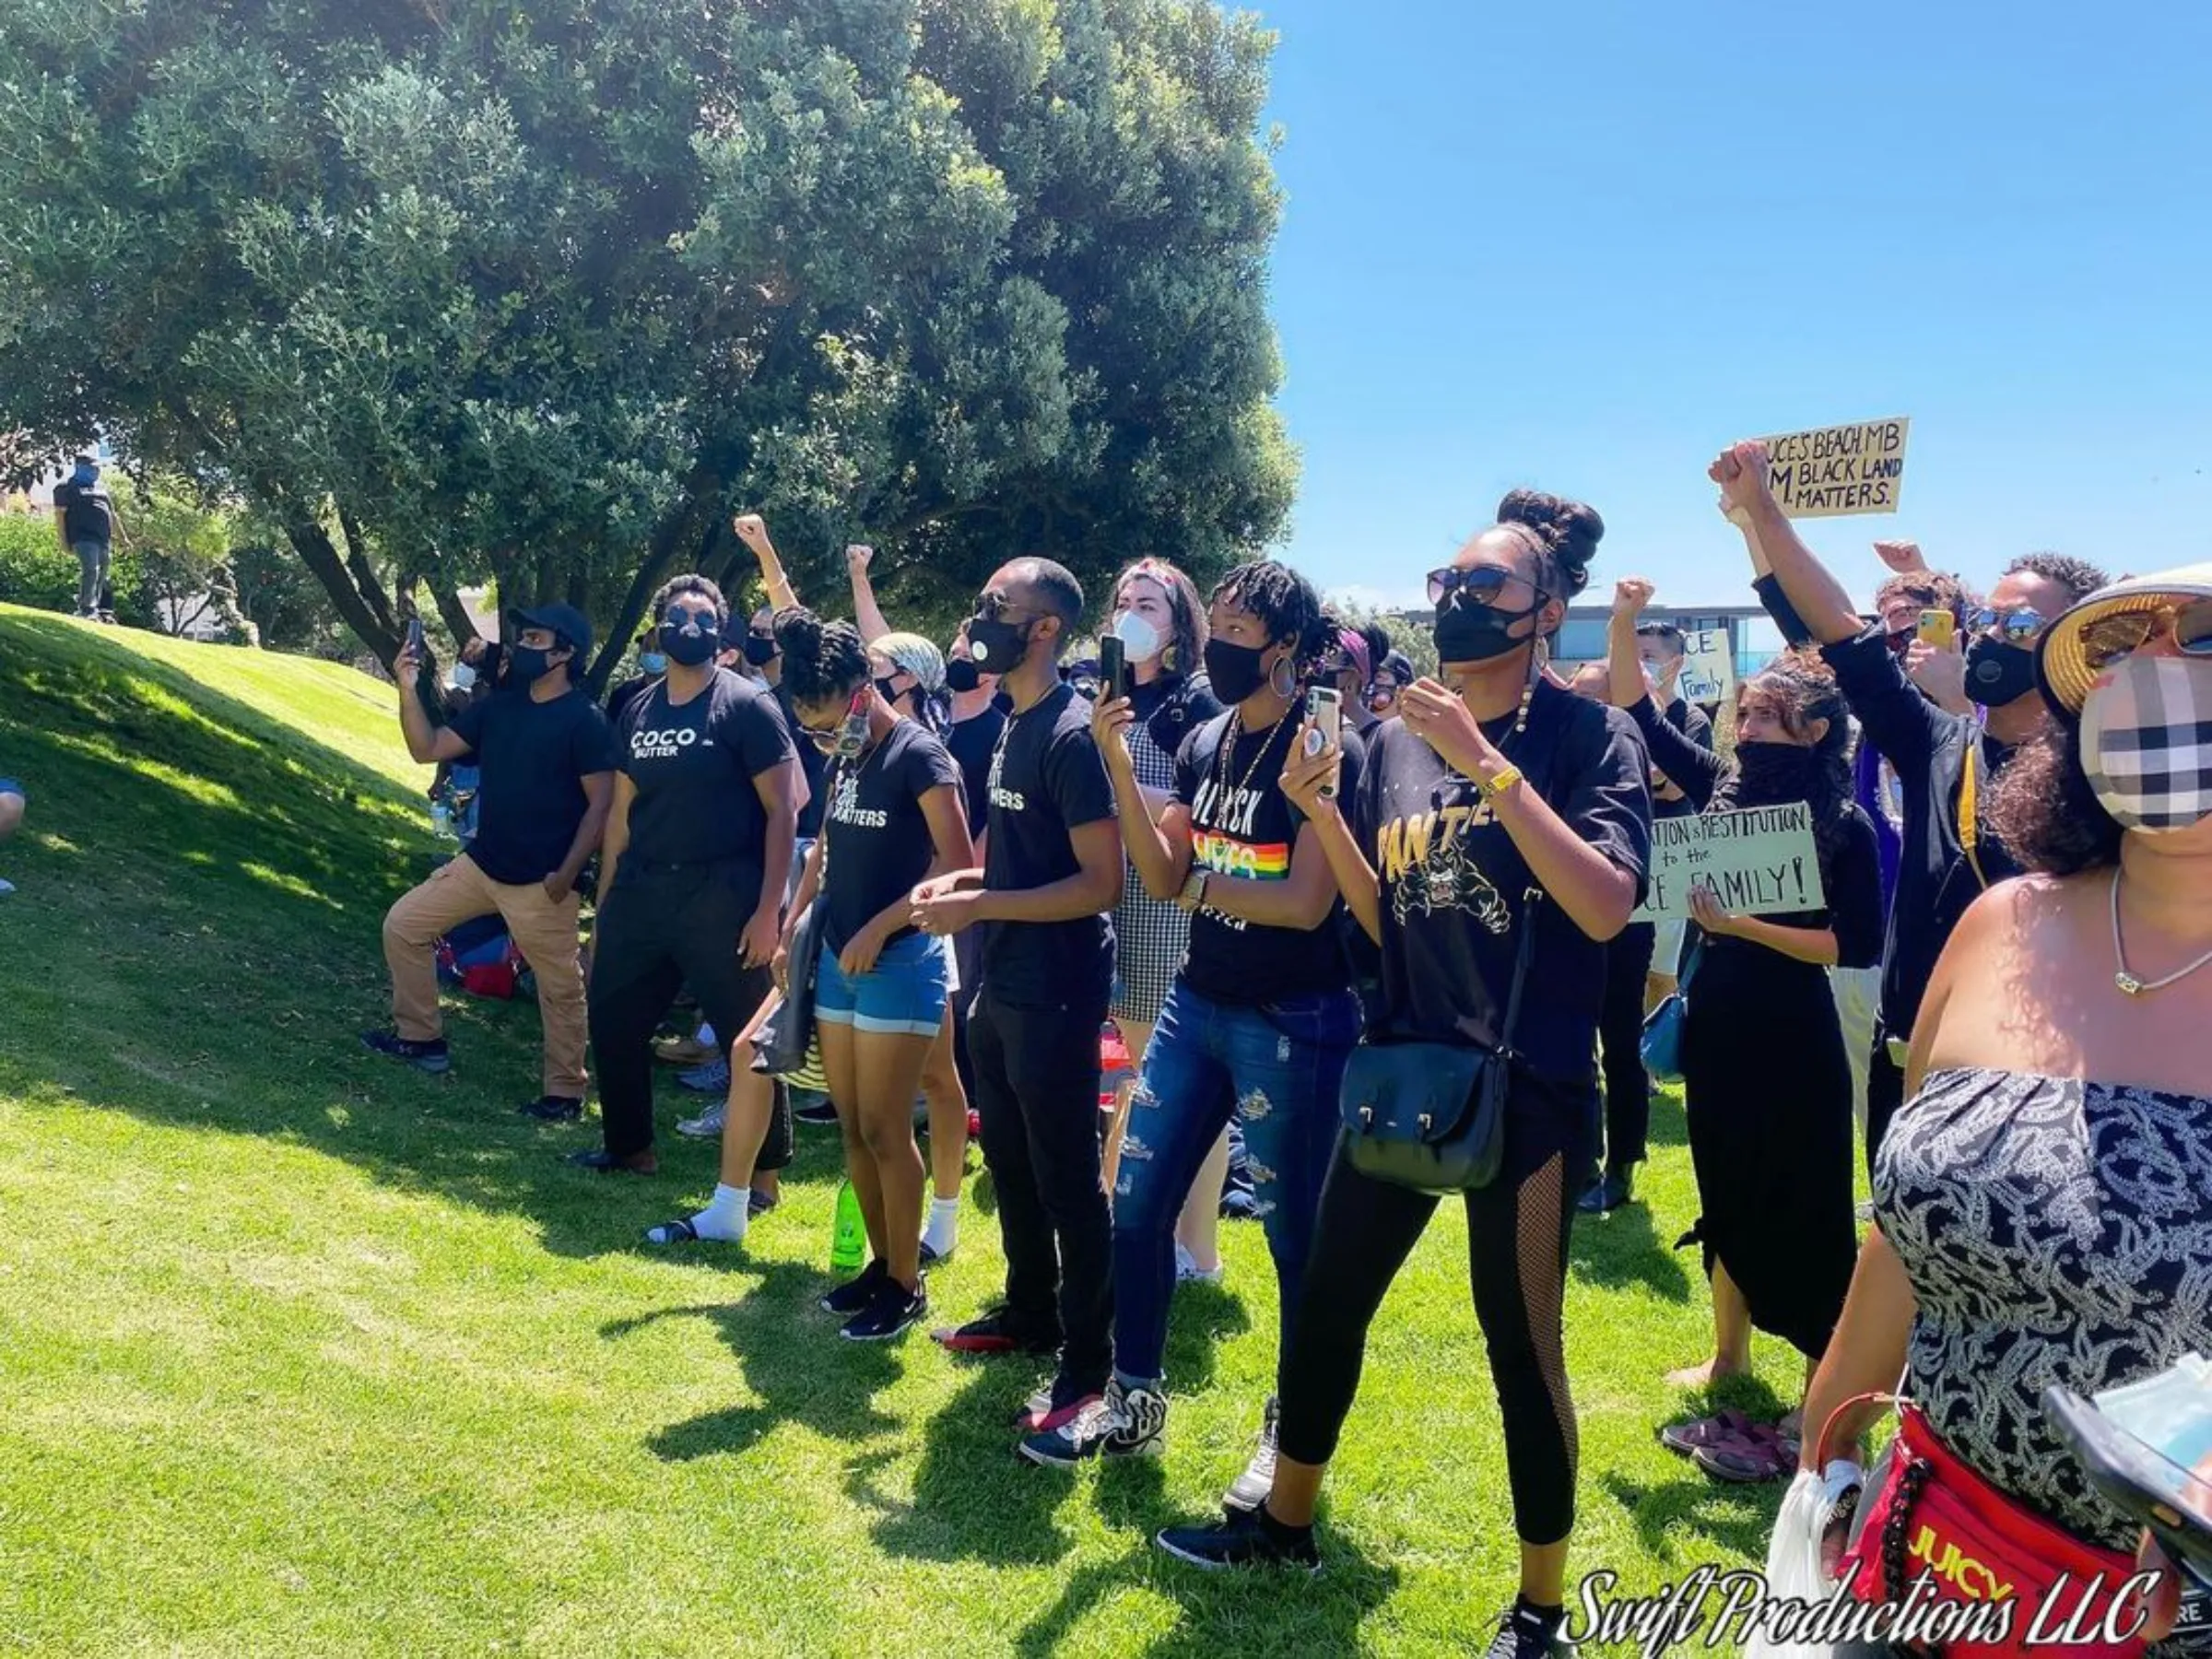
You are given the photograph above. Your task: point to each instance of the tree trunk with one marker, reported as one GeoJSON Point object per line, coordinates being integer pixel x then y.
{"type": "Point", "coordinates": [321, 556]}
{"type": "Point", "coordinates": [458, 622]}
{"type": "Point", "coordinates": [701, 490]}
{"type": "Point", "coordinates": [364, 573]}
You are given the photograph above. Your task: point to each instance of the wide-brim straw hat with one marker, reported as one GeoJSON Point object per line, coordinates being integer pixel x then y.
{"type": "Point", "coordinates": [2061, 662]}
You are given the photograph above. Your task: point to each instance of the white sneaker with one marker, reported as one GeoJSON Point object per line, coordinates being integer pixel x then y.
{"type": "Point", "coordinates": [1249, 1489]}
{"type": "Point", "coordinates": [8, 887]}
{"type": "Point", "coordinates": [706, 1125]}
{"type": "Point", "coordinates": [1187, 1270]}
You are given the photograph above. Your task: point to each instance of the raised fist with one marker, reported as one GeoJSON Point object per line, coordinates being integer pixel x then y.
{"type": "Point", "coordinates": [1903, 556]}
{"type": "Point", "coordinates": [1741, 472]}
{"type": "Point", "coordinates": [858, 559]}
{"type": "Point", "coordinates": [1630, 596]}
{"type": "Point", "coordinates": [752, 530]}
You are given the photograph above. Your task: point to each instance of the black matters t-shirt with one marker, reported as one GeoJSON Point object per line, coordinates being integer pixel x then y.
{"type": "Point", "coordinates": [693, 766]}
{"type": "Point", "coordinates": [533, 757]}
{"type": "Point", "coordinates": [1047, 778]}
{"type": "Point", "coordinates": [88, 511]}
{"type": "Point", "coordinates": [877, 842]}
{"type": "Point", "coordinates": [1243, 826]}
{"type": "Point", "coordinates": [973, 742]}
{"type": "Point", "coordinates": [1455, 886]}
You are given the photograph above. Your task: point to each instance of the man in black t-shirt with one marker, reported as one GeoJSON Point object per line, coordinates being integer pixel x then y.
{"type": "Point", "coordinates": [1053, 869]}
{"type": "Point", "coordinates": [85, 517]}
{"type": "Point", "coordinates": [547, 761]}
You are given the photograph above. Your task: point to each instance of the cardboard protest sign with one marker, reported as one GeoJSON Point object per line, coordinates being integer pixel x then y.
{"type": "Point", "coordinates": [1839, 470]}
{"type": "Point", "coordinates": [1708, 666]}
{"type": "Point", "coordinates": [1759, 860]}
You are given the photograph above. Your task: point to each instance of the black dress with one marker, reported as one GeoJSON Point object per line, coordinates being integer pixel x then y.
{"type": "Point", "coordinates": [1767, 1085]}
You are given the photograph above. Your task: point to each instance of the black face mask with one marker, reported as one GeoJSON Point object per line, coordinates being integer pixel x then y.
{"type": "Point", "coordinates": [888, 691]}
{"type": "Point", "coordinates": [1476, 633]}
{"type": "Point", "coordinates": [526, 666]}
{"type": "Point", "coordinates": [960, 674]}
{"type": "Point", "coordinates": [1234, 670]}
{"type": "Point", "coordinates": [690, 649]}
{"type": "Point", "coordinates": [1998, 672]}
{"type": "Point", "coordinates": [997, 646]}
{"type": "Point", "coordinates": [760, 650]}
{"type": "Point", "coordinates": [1773, 771]}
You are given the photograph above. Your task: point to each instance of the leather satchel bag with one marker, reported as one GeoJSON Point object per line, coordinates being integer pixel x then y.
{"type": "Point", "coordinates": [1431, 1115]}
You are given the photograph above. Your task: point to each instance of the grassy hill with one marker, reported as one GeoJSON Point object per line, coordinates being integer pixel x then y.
{"type": "Point", "coordinates": [304, 1353]}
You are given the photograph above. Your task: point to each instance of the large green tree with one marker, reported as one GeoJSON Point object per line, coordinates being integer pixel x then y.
{"type": "Point", "coordinates": [466, 289]}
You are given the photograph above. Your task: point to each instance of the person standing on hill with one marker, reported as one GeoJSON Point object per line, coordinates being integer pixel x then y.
{"type": "Point", "coordinates": [547, 760]}
{"type": "Point", "coordinates": [85, 517]}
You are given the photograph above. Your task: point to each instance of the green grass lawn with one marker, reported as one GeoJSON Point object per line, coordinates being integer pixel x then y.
{"type": "Point", "coordinates": [300, 1352]}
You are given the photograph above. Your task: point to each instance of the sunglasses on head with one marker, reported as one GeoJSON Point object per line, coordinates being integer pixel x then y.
{"type": "Point", "coordinates": [2017, 626]}
{"type": "Point", "coordinates": [1477, 585]}
{"type": "Point", "coordinates": [2107, 639]}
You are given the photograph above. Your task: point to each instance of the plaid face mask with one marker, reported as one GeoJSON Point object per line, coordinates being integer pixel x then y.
{"type": "Point", "coordinates": [2147, 742]}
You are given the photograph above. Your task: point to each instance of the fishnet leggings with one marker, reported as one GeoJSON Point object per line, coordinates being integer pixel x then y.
{"type": "Point", "coordinates": [1517, 1259]}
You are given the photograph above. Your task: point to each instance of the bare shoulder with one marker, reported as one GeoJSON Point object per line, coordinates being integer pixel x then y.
{"type": "Point", "coordinates": [2020, 908]}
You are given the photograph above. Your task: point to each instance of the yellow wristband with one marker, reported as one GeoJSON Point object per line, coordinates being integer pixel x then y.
{"type": "Point", "coordinates": [1490, 789]}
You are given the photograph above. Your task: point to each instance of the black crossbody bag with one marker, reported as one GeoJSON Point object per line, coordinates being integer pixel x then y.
{"type": "Point", "coordinates": [1431, 1115]}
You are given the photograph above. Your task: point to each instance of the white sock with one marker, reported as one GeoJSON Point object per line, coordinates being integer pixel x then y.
{"type": "Point", "coordinates": [944, 1230]}
{"type": "Point", "coordinates": [723, 1219]}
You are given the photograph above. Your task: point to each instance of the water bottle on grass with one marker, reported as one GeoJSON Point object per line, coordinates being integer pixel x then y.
{"type": "Point", "coordinates": [848, 1244]}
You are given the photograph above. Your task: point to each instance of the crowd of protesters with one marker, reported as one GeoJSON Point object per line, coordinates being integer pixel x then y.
{"type": "Point", "coordinates": [1354, 923]}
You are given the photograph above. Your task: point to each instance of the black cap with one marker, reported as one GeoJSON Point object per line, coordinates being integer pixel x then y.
{"type": "Point", "coordinates": [565, 620]}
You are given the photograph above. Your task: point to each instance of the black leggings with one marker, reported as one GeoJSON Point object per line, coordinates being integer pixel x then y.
{"type": "Point", "coordinates": [1517, 1258]}
{"type": "Point", "coordinates": [1620, 1034]}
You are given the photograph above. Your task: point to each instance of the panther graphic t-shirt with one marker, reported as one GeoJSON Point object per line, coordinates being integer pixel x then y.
{"type": "Point", "coordinates": [1242, 825]}
{"type": "Point", "coordinates": [1046, 779]}
{"type": "Point", "coordinates": [1455, 886]}
{"type": "Point", "coordinates": [878, 844]}
{"type": "Point", "coordinates": [693, 764]}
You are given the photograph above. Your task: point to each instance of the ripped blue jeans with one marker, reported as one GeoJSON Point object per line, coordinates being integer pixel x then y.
{"type": "Point", "coordinates": [1278, 1068]}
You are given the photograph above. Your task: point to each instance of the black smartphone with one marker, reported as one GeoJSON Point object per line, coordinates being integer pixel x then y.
{"type": "Point", "coordinates": [415, 638]}
{"type": "Point", "coordinates": [1113, 668]}
{"type": "Point", "coordinates": [2143, 1483]}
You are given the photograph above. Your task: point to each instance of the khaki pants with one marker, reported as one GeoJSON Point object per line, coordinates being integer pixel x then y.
{"type": "Point", "coordinates": [544, 933]}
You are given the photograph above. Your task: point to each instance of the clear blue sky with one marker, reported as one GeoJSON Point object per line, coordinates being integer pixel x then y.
{"type": "Point", "coordinates": [1580, 245]}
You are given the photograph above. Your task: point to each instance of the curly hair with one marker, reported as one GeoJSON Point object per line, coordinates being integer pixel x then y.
{"type": "Point", "coordinates": [692, 584]}
{"type": "Point", "coordinates": [2077, 576]}
{"type": "Point", "coordinates": [1562, 534]}
{"type": "Point", "coordinates": [2044, 811]}
{"type": "Point", "coordinates": [823, 662]}
{"type": "Point", "coordinates": [1801, 689]}
{"type": "Point", "coordinates": [1188, 642]}
{"type": "Point", "coordinates": [1930, 590]}
{"type": "Point", "coordinates": [1284, 601]}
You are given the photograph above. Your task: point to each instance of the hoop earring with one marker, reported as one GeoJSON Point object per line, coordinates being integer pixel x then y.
{"type": "Point", "coordinates": [1282, 679]}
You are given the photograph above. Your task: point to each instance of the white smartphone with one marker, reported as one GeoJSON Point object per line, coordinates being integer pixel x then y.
{"type": "Point", "coordinates": [1324, 725]}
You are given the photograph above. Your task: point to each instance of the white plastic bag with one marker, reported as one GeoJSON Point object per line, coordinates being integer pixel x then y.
{"type": "Point", "coordinates": [1794, 1569]}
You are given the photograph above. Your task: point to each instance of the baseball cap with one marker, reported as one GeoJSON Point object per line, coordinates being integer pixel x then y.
{"type": "Point", "coordinates": [2061, 656]}
{"type": "Point", "coordinates": [563, 620]}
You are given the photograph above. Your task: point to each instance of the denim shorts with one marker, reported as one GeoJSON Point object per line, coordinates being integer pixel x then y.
{"type": "Point", "coordinates": [10, 786]}
{"type": "Point", "coordinates": [906, 992]}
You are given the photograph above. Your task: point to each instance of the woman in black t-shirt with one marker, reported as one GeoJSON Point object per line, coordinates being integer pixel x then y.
{"type": "Point", "coordinates": [893, 817]}
{"type": "Point", "coordinates": [1260, 1015]}
{"type": "Point", "coordinates": [1496, 803]}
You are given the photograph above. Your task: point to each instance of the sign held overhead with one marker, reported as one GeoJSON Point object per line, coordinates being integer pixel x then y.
{"type": "Point", "coordinates": [1839, 470]}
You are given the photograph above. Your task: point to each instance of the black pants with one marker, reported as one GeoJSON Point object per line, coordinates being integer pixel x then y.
{"type": "Point", "coordinates": [967, 963]}
{"type": "Point", "coordinates": [1885, 1093]}
{"type": "Point", "coordinates": [665, 926]}
{"type": "Point", "coordinates": [1620, 1035]}
{"type": "Point", "coordinates": [1517, 1258]}
{"type": "Point", "coordinates": [1037, 1092]}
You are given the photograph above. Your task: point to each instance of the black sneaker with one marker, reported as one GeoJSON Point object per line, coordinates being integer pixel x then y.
{"type": "Point", "coordinates": [552, 1109]}
{"type": "Point", "coordinates": [1616, 1191]}
{"type": "Point", "coordinates": [1063, 1438]}
{"type": "Point", "coordinates": [855, 1294]}
{"type": "Point", "coordinates": [894, 1309]}
{"type": "Point", "coordinates": [1249, 1489]}
{"type": "Point", "coordinates": [818, 1111]}
{"type": "Point", "coordinates": [431, 1056]}
{"type": "Point", "coordinates": [758, 1204]}
{"type": "Point", "coordinates": [1523, 1632]}
{"type": "Point", "coordinates": [1242, 1538]}
{"type": "Point", "coordinates": [1140, 1422]}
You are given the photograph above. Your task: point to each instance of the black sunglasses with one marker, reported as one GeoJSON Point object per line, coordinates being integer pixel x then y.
{"type": "Point", "coordinates": [1478, 584]}
{"type": "Point", "coordinates": [2016, 626]}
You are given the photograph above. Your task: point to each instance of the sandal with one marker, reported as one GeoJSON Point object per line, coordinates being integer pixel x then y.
{"type": "Point", "coordinates": [1721, 1427]}
{"type": "Point", "coordinates": [679, 1232]}
{"type": "Point", "coordinates": [1749, 1460]}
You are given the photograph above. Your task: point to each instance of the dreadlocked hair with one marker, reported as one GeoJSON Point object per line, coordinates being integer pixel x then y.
{"type": "Point", "coordinates": [823, 662]}
{"type": "Point", "coordinates": [1801, 689]}
{"type": "Point", "coordinates": [1285, 603]}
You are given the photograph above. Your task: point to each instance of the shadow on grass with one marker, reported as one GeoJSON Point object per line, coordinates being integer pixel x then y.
{"type": "Point", "coordinates": [1623, 1249]}
{"type": "Point", "coordinates": [1737, 1518]}
{"type": "Point", "coordinates": [829, 1388]}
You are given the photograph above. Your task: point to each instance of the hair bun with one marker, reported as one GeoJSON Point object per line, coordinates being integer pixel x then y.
{"type": "Point", "coordinates": [1572, 529]}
